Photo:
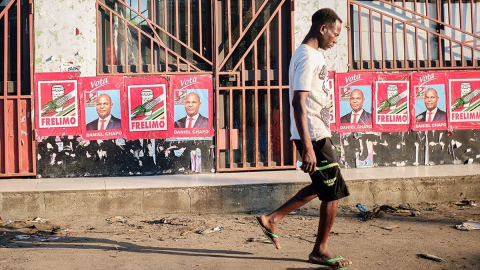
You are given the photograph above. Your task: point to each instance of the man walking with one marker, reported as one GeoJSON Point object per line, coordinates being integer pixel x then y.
{"type": "Point", "coordinates": [310, 132]}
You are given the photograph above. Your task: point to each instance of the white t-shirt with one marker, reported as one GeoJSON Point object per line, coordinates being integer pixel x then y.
{"type": "Point", "coordinates": [308, 72]}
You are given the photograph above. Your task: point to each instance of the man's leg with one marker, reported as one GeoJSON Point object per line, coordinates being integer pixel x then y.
{"type": "Point", "coordinates": [328, 211]}
{"type": "Point", "coordinates": [270, 221]}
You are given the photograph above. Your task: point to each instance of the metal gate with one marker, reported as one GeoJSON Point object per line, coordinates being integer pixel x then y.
{"type": "Point", "coordinates": [246, 45]}
{"type": "Point", "coordinates": [17, 147]}
{"type": "Point", "coordinates": [253, 44]}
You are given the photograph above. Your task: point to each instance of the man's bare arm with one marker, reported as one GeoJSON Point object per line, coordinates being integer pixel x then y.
{"type": "Point", "coordinates": [300, 114]}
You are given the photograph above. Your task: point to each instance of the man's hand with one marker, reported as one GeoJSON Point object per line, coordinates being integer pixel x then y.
{"type": "Point", "coordinates": [309, 161]}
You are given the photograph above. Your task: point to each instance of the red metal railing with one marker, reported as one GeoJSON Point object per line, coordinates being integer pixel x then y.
{"type": "Point", "coordinates": [17, 147]}
{"type": "Point", "coordinates": [159, 37]}
{"type": "Point", "coordinates": [387, 35]}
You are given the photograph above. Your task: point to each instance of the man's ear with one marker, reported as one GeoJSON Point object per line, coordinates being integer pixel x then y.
{"type": "Point", "coordinates": [323, 29]}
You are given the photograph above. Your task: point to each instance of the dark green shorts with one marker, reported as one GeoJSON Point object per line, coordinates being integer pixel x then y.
{"type": "Point", "coordinates": [327, 179]}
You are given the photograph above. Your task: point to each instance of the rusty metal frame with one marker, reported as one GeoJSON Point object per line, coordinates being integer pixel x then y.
{"type": "Point", "coordinates": [442, 63]}
{"type": "Point", "coordinates": [155, 39]}
{"type": "Point", "coordinates": [239, 72]}
{"type": "Point", "coordinates": [17, 143]}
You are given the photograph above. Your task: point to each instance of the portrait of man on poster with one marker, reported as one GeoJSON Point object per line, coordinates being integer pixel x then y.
{"type": "Point", "coordinates": [358, 115]}
{"type": "Point", "coordinates": [193, 119]}
{"type": "Point", "coordinates": [432, 113]}
{"type": "Point", "coordinates": [105, 119]}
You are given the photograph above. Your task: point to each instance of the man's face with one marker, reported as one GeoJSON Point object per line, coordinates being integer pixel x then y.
{"type": "Point", "coordinates": [329, 34]}
{"type": "Point", "coordinates": [356, 100]}
{"type": "Point", "coordinates": [104, 106]}
{"type": "Point", "coordinates": [431, 99]}
{"type": "Point", "coordinates": [192, 104]}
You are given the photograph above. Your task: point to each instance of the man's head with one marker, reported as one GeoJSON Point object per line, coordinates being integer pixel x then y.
{"type": "Point", "coordinates": [104, 106]}
{"type": "Point", "coordinates": [356, 100]}
{"type": "Point", "coordinates": [431, 99]}
{"type": "Point", "coordinates": [326, 27]}
{"type": "Point", "coordinates": [192, 104]}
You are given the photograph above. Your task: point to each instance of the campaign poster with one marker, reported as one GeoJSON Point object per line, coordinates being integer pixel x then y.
{"type": "Point", "coordinates": [57, 103]}
{"type": "Point", "coordinates": [391, 102]}
{"type": "Point", "coordinates": [102, 100]}
{"type": "Point", "coordinates": [464, 99]}
{"type": "Point", "coordinates": [192, 100]}
{"type": "Point", "coordinates": [331, 95]}
{"type": "Point", "coordinates": [354, 102]}
{"type": "Point", "coordinates": [147, 107]}
{"type": "Point", "coordinates": [428, 101]}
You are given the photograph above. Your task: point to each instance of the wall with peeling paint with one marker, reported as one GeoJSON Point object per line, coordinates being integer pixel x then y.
{"type": "Point", "coordinates": [71, 157]}
{"type": "Point", "coordinates": [65, 36]}
{"type": "Point", "coordinates": [337, 57]}
{"type": "Point", "coordinates": [408, 148]}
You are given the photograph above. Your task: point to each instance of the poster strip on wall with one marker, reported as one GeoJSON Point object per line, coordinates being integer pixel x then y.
{"type": "Point", "coordinates": [354, 102]}
{"type": "Point", "coordinates": [331, 95]}
{"type": "Point", "coordinates": [57, 103]}
{"type": "Point", "coordinates": [147, 107]}
{"type": "Point", "coordinates": [428, 101]}
{"type": "Point", "coordinates": [103, 102]}
{"type": "Point", "coordinates": [192, 106]}
{"type": "Point", "coordinates": [464, 99]}
{"type": "Point", "coordinates": [391, 102]}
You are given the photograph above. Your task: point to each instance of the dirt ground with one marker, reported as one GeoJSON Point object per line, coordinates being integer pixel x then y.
{"type": "Point", "coordinates": [392, 241]}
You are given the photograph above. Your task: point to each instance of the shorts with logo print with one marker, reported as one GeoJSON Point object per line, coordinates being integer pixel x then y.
{"type": "Point", "coordinates": [327, 179]}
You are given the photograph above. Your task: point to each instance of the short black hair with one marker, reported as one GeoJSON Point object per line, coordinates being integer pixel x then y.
{"type": "Point", "coordinates": [324, 16]}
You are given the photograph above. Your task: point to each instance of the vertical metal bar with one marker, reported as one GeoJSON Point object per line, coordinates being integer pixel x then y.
{"type": "Point", "coordinates": [125, 29]}
{"type": "Point", "coordinates": [439, 45]}
{"type": "Point", "coordinates": [189, 15]}
{"type": "Point", "coordinates": [6, 160]}
{"type": "Point", "coordinates": [244, 117]}
{"type": "Point", "coordinates": [256, 108]}
{"type": "Point", "coordinates": [229, 25]}
{"type": "Point", "coordinates": [6, 61]}
{"type": "Point", "coordinates": [140, 67]}
{"type": "Point", "coordinates": [32, 57]}
{"type": "Point", "coordinates": [97, 34]}
{"type": "Point", "coordinates": [19, 50]}
{"type": "Point", "coordinates": [177, 23]}
{"type": "Point", "coordinates": [214, 7]}
{"type": "Point", "coordinates": [394, 42]}
{"type": "Point", "coordinates": [200, 28]}
{"type": "Point", "coordinates": [112, 49]}
{"type": "Point", "coordinates": [230, 126]}
{"type": "Point", "coordinates": [240, 16]}
{"type": "Point", "coordinates": [18, 99]}
{"type": "Point", "coordinates": [360, 47]}
{"type": "Point", "coordinates": [269, 125]}
{"type": "Point", "coordinates": [349, 34]}
{"type": "Point", "coordinates": [382, 38]}
{"type": "Point", "coordinates": [472, 19]}
{"type": "Point", "coordinates": [462, 59]}
{"type": "Point", "coordinates": [371, 38]}
{"type": "Point", "coordinates": [280, 78]}
{"type": "Point", "coordinates": [450, 23]}
{"type": "Point", "coordinates": [165, 15]}
{"type": "Point", "coordinates": [405, 62]}
{"type": "Point", "coordinates": [428, 60]}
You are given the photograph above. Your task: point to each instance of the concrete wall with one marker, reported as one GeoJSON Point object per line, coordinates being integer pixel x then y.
{"type": "Point", "coordinates": [65, 36]}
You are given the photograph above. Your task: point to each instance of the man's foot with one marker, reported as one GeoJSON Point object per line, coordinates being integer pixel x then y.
{"type": "Point", "coordinates": [329, 259]}
{"type": "Point", "coordinates": [269, 230]}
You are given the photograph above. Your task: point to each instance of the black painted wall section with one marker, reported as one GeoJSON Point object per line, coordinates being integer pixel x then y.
{"type": "Point", "coordinates": [411, 148]}
{"type": "Point", "coordinates": [107, 158]}
{"type": "Point", "coordinates": [156, 157]}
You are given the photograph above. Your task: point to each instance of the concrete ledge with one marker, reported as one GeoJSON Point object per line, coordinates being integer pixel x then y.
{"type": "Point", "coordinates": [227, 199]}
